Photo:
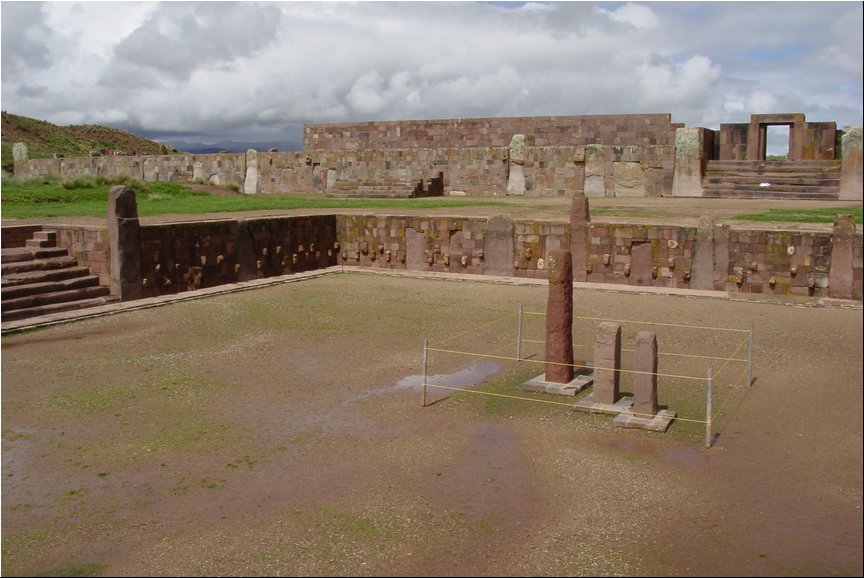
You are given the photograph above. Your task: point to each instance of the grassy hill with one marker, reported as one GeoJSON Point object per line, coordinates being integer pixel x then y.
{"type": "Point", "coordinates": [44, 139]}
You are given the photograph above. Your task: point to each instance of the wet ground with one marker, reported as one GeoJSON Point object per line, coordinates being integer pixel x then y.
{"type": "Point", "coordinates": [280, 432]}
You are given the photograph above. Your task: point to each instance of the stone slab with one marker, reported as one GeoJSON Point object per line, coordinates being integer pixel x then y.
{"type": "Point", "coordinates": [588, 404]}
{"type": "Point", "coordinates": [579, 383]}
{"type": "Point", "coordinates": [659, 422]}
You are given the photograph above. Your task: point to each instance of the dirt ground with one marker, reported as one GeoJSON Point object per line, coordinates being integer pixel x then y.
{"type": "Point", "coordinates": [683, 211]}
{"type": "Point", "coordinates": [279, 432]}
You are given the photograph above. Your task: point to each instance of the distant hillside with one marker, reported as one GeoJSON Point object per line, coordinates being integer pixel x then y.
{"type": "Point", "coordinates": [44, 139]}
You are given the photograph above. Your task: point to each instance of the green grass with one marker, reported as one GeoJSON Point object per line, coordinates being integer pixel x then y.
{"type": "Point", "coordinates": [88, 197]}
{"type": "Point", "coordinates": [803, 215]}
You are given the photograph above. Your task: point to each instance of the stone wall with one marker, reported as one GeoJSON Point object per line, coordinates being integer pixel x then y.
{"type": "Point", "coordinates": [178, 257]}
{"type": "Point", "coordinates": [540, 131]}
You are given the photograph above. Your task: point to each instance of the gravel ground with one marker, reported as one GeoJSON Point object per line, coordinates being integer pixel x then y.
{"type": "Point", "coordinates": [274, 432]}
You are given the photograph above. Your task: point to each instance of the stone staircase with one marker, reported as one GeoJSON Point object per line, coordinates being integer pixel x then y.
{"type": "Point", "coordinates": [388, 188]}
{"type": "Point", "coordinates": [40, 278]}
{"type": "Point", "coordinates": [791, 180]}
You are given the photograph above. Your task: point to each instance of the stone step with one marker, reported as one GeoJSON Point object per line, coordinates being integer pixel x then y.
{"type": "Point", "coordinates": [728, 193]}
{"type": "Point", "coordinates": [16, 314]}
{"type": "Point", "coordinates": [46, 236]}
{"type": "Point", "coordinates": [18, 254]}
{"type": "Point", "coordinates": [15, 279]}
{"type": "Point", "coordinates": [746, 186]}
{"type": "Point", "coordinates": [38, 264]}
{"type": "Point", "coordinates": [31, 289]}
{"type": "Point", "coordinates": [776, 166]}
{"type": "Point", "coordinates": [32, 301]}
{"type": "Point", "coordinates": [814, 179]}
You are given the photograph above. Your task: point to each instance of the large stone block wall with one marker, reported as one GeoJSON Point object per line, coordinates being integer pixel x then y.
{"type": "Point", "coordinates": [178, 257]}
{"type": "Point", "coordinates": [89, 245]}
{"type": "Point", "coordinates": [744, 261]}
{"type": "Point", "coordinates": [619, 130]}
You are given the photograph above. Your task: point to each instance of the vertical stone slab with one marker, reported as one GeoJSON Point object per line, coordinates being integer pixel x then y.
{"type": "Point", "coordinates": [516, 156]}
{"type": "Point", "coordinates": [580, 218]}
{"type": "Point", "coordinates": [645, 384]}
{"type": "Point", "coordinates": [595, 171]}
{"type": "Point", "coordinates": [841, 275]}
{"type": "Point", "coordinates": [499, 246]}
{"type": "Point", "coordinates": [851, 181]}
{"type": "Point", "coordinates": [20, 156]}
{"type": "Point", "coordinates": [702, 263]}
{"type": "Point", "coordinates": [689, 162]}
{"type": "Point", "coordinates": [124, 243]}
{"type": "Point", "coordinates": [607, 360]}
{"type": "Point", "coordinates": [559, 318]}
{"type": "Point", "coordinates": [642, 265]}
{"type": "Point", "coordinates": [250, 185]}
{"type": "Point", "coordinates": [415, 244]}
{"type": "Point", "coordinates": [246, 257]}
{"type": "Point", "coordinates": [721, 257]}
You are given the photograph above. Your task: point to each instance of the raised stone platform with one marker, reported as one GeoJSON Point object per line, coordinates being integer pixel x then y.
{"type": "Point", "coordinates": [659, 422]}
{"type": "Point", "coordinates": [575, 386]}
{"type": "Point", "coordinates": [588, 404]}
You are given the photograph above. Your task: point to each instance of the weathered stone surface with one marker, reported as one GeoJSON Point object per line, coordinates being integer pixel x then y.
{"type": "Point", "coordinates": [688, 171]}
{"type": "Point", "coordinates": [246, 257]}
{"type": "Point", "coordinates": [250, 185]}
{"type": "Point", "coordinates": [841, 275]}
{"type": "Point", "coordinates": [629, 179]}
{"type": "Point", "coordinates": [518, 150]}
{"type": "Point", "coordinates": [415, 245]}
{"type": "Point", "coordinates": [559, 318]}
{"type": "Point", "coordinates": [20, 152]}
{"type": "Point", "coordinates": [645, 384]}
{"type": "Point", "coordinates": [607, 362]}
{"type": "Point", "coordinates": [702, 269]}
{"type": "Point", "coordinates": [516, 180]}
{"type": "Point", "coordinates": [124, 240]}
{"type": "Point", "coordinates": [499, 247]}
{"type": "Point", "coordinates": [851, 180]}
{"type": "Point", "coordinates": [641, 265]}
{"type": "Point", "coordinates": [721, 256]}
{"type": "Point", "coordinates": [580, 217]}
{"type": "Point", "coordinates": [595, 171]}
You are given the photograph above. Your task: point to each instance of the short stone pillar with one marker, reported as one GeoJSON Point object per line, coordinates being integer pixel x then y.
{"type": "Point", "coordinates": [250, 185]}
{"type": "Point", "coordinates": [516, 154]}
{"type": "Point", "coordinates": [580, 218]}
{"type": "Point", "coordinates": [691, 146]}
{"type": "Point", "coordinates": [645, 380]}
{"type": "Point", "coordinates": [607, 363]}
{"type": "Point", "coordinates": [559, 318]}
{"type": "Point", "coordinates": [841, 277]}
{"type": "Point", "coordinates": [702, 264]}
{"type": "Point", "coordinates": [851, 180]}
{"type": "Point", "coordinates": [124, 243]}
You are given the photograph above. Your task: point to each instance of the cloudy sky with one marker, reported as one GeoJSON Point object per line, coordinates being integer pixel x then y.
{"type": "Point", "coordinates": [209, 71]}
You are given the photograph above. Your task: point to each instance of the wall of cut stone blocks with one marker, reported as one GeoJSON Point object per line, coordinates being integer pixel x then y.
{"type": "Point", "coordinates": [631, 129]}
{"type": "Point", "coordinates": [228, 251]}
{"type": "Point", "coordinates": [89, 245]}
{"type": "Point", "coordinates": [17, 236]}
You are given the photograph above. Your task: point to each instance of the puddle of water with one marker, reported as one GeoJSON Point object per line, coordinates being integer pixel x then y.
{"type": "Point", "coordinates": [466, 377]}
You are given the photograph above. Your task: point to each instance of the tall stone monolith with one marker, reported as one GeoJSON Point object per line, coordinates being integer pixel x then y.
{"type": "Point", "coordinates": [841, 277]}
{"type": "Point", "coordinates": [559, 318]}
{"type": "Point", "coordinates": [580, 218]}
{"type": "Point", "coordinates": [516, 155]}
{"type": "Point", "coordinates": [645, 380]}
{"type": "Point", "coordinates": [124, 242]}
{"type": "Point", "coordinates": [250, 184]}
{"type": "Point", "coordinates": [607, 362]}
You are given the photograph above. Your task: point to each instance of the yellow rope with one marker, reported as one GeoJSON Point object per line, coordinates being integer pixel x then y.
{"type": "Point", "coordinates": [567, 364]}
{"type": "Point", "coordinates": [732, 385]}
{"type": "Point", "coordinates": [733, 354]}
{"type": "Point", "coordinates": [571, 405]}
{"type": "Point", "coordinates": [659, 353]}
{"type": "Point", "coordinates": [647, 322]}
{"type": "Point", "coordinates": [478, 328]}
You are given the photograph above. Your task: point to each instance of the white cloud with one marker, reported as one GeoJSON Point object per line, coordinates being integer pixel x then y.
{"type": "Point", "coordinates": [225, 68]}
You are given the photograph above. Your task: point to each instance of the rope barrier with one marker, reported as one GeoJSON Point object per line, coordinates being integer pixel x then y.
{"type": "Point", "coordinates": [568, 364]}
{"type": "Point", "coordinates": [570, 405]}
{"type": "Point", "coordinates": [731, 385]}
{"type": "Point", "coordinates": [733, 353]}
{"type": "Point", "coordinates": [647, 323]}
{"type": "Point", "coordinates": [658, 353]}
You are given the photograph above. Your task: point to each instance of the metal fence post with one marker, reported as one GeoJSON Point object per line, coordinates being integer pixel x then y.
{"type": "Point", "coordinates": [425, 364]}
{"type": "Point", "coordinates": [519, 336]}
{"type": "Point", "coordinates": [750, 357]}
{"type": "Point", "coordinates": [708, 410]}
